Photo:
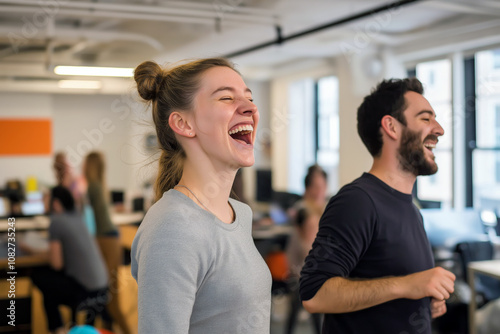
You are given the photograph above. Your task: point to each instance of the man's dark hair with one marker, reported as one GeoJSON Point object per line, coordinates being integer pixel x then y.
{"type": "Point", "coordinates": [386, 99]}
{"type": "Point", "coordinates": [311, 171]}
{"type": "Point", "coordinates": [64, 196]}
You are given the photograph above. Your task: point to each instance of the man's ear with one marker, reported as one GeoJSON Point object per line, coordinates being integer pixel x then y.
{"type": "Point", "coordinates": [390, 126]}
{"type": "Point", "coordinates": [180, 124]}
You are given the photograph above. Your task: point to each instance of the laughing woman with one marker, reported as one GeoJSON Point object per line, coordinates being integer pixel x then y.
{"type": "Point", "coordinates": [193, 257]}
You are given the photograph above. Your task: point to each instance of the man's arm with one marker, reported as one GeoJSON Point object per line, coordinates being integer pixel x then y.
{"type": "Point", "coordinates": [341, 295]}
{"type": "Point", "coordinates": [55, 254]}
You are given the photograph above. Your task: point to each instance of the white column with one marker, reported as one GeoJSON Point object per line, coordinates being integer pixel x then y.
{"type": "Point", "coordinates": [354, 158]}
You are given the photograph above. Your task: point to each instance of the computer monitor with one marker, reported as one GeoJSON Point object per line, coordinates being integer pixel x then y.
{"type": "Point", "coordinates": [264, 191]}
{"type": "Point", "coordinates": [117, 196]}
{"type": "Point", "coordinates": [33, 205]}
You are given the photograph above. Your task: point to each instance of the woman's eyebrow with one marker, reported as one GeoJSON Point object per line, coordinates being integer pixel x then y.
{"type": "Point", "coordinates": [231, 89]}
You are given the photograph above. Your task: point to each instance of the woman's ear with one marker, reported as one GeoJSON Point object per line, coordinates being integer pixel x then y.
{"type": "Point", "coordinates": [390, 127]}
{"type": "Point", "coordinates": [180, 124]}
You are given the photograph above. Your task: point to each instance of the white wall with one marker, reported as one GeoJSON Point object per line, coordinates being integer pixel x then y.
{"type": "Point", "coordinates": [80, 123]}
{"type": "Point", "coordinates": [85, 123]}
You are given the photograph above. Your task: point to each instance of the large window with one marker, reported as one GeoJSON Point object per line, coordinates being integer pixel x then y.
{"type": "Point", "coordinates": [436, 78]}
{"type": "Point", "coordinates": [486, 153]}
{"type": "Point", "coordinates": [313, 130]}
{"type": "Point", "coordinates": [327, 120]}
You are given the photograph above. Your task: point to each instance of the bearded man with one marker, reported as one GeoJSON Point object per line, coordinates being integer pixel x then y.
{"type": "Point", "coordinates": [371, 269]}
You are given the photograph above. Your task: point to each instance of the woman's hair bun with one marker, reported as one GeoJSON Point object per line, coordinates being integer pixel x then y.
{"type": "Point", "coordinates": [148, 76]}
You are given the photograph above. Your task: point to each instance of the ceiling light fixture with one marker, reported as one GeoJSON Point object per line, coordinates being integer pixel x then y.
{"type": "Point", "coordinates": [94, 71]}
{"type": "Point", "coordinates": [79, 84]}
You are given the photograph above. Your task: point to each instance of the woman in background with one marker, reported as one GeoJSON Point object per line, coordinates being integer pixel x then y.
{"type": "Point", "coordinates": [66, 178]}
{"type": "Point", "coordinates": [306, 224]}
{"type": "Point", "coordinates": [106, 233]}
{"type": "Point", "coordinates": [193, 256]}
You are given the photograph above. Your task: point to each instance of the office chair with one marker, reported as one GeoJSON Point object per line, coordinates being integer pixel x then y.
{"type": "Point", "coordinates": [487, 287]}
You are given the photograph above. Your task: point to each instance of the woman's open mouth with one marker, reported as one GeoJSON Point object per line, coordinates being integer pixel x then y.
{"type": "Point", "coordinates": [242, 134]}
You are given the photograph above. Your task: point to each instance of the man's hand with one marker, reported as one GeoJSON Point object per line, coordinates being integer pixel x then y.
{"type": "Point", "coordinates": [438, 308]}
{"type": "Point", "coordinates": [437, 283]}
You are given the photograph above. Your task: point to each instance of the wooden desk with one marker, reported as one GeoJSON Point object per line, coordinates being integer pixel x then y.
{"type": "Point", "coordinates": [42, 222]}
{"type": "Point", "coordinates": [126, 218]}
{"type": "Point", "coordinates": [25, 261]}
{"type": "Point", "coordinates": [25, 224]}
{"type": "Point", "coordinates": [490, 268]}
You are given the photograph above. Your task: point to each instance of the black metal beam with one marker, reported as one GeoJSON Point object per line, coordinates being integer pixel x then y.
{"type": "Point", "coordinates": [280, 39]}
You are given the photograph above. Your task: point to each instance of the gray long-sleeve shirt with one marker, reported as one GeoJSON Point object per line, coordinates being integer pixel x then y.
{"type": "Point", "coordinates": [197, 274]}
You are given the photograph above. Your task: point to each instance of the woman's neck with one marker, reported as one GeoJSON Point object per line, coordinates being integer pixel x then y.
{"type": "Point", "coordinates": [209, 188]}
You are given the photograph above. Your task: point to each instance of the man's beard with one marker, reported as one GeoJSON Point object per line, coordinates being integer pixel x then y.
{"type": "Point", "coordinates": [412, 154]}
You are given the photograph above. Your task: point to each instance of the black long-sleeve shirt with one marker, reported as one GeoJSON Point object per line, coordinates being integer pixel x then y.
{"type": "Point", "coordinates": [370, 230]}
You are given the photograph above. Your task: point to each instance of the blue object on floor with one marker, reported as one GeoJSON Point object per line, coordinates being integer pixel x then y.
{"type": "Point", "coordinates": [83, 329]}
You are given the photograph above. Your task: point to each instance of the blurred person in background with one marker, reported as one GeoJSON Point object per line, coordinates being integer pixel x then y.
{"type": "Point", "coordinates": [306, 222]}
{"type": "Point", "coordinates": [107, 235]}
{"type": "Point", "coordinates": [65, 177]}
{"type": "Point", "coordinates": [316, 183]}
{"type": "Point", "coordinates": [76, 269]}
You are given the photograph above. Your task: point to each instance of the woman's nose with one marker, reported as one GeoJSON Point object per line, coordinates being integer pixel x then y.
{"type": "Point", "coordinates": [247, 107]}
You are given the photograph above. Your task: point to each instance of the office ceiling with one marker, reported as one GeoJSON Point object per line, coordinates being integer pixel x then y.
{"type": "Point", "coordinates": [36, 35]}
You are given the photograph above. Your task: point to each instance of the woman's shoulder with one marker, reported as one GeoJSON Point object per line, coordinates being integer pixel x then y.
{"type": "Point", "coordinates": [172, 214]}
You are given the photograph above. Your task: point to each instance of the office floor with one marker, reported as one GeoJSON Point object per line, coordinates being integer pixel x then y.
{"type": "Point", "coordinates": [280, 306]}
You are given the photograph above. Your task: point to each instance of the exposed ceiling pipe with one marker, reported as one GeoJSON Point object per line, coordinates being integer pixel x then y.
{"type": "Point", "coordinates": [444, 32]}
{"type": "Point", "coordinates": [79, 13]}
{"type": "Point", "coordinates": [464, 7]}
{"type": "Point", "coordinates": [130, 16]}
{"type": "Point", "coordinates": [281, 39]}
{"type": "Point", "coordinates": [49, 53]}
{"type": "Point", "coordinates": [223, 4]}
{"type": "Point", "coordinates": [95, 35]}
{"type": "Point", "coordinates": [450, 30]}
{"type": "Point", "coordinates": [222, 12]}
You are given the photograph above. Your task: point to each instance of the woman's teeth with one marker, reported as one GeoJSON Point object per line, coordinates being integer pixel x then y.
{"type": "Point", "coordinates": [241, 128]}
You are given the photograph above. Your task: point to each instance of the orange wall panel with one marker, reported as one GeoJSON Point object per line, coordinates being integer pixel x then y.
{"type": "Point", "coordinates": [25, 136]}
